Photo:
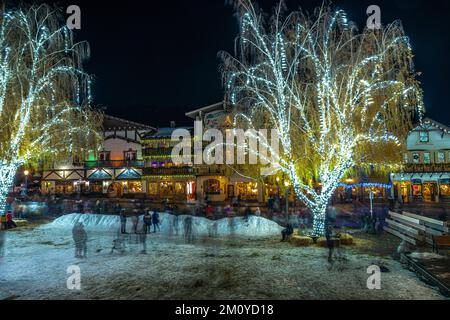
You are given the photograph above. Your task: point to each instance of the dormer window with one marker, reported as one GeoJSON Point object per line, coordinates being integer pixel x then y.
{"type": "Point", "coordinates": [424, 137]}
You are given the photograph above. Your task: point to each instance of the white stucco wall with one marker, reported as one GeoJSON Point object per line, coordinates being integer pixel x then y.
{"type": "Point", "coordinates": [118, 146]}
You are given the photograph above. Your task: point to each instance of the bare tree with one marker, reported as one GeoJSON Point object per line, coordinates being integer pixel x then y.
{"type": "Point", "coordinates": [44, 93]}
{"type": "Point", "coordinates": [337, 97]}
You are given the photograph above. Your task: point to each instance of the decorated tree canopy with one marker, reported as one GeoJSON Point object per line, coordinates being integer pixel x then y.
{"type": "Point", "coordinates": [337, 97]}
{"type": "Point", "coordinates": [44, 92]}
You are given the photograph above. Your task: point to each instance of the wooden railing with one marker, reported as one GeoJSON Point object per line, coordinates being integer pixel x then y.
{"type": "Point", "coordinates": [168, 171]}
{"type": "Point", "coordinates": [114, 164]}
{"type": "Point", "coordinates": [426, 168]}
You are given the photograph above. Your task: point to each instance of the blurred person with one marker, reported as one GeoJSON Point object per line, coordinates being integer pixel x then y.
{"type": "Point", "coordinates": [135, 221]}
{"type": "Point", "coordinates": [123, 221]}
{"type": "Point", "coordinates": [80, 238]}
{"type": "Point", "coordinates": [147, 222]}
{"type": "Point", "coordinates": [155, 220]}
{"type": "Point", "coordinates": [10, 224]}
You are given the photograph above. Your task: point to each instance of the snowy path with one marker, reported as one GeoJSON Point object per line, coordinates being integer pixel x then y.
{"type": "Point", "coordinates": [35, 264]}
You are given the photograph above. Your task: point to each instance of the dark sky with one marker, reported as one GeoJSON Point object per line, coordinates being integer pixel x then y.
{"type": "Point", "coordinates": [155, 60]}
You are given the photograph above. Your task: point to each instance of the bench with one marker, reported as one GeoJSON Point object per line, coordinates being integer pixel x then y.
{"type": "Point", "coordinates": [440, 242]}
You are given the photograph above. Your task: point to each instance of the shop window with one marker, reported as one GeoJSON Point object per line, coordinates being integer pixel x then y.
{"type": "Point", "coordinates": [416, 158]}
{"type": "Point", "coordinates": [417, 190]}
{"type": "Point", "coordinates": [427, 158]}
{"type": "Point", "coordinates": [248, 191]}
{"type": "Point", "coordinates": [179, 188]}
{"type": "Point", "coordinates": [96, 187]}
{"type": "Point", "coordinates": [424, 137]}
{"type": "Point", "coordinates": [444, 188]}
{"type": "Point", "coordinates": [212, 186]}
{"type": "Point", "coordinates": [166, 189]}
{"type": "Point", "coordinates": [153, 189]}
{"type": "Point", "coordinates": [135, 187]}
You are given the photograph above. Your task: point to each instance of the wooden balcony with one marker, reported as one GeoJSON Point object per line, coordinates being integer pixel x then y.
{"type": "Point", "coordinates": [173, 171]}
{"type": "Point", "coordinates": [426, 168]}
{"type": "Point", "coordinates": [114, 164]}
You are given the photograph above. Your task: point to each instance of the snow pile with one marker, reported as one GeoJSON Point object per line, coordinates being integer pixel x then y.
{"type": "Point", "coordinates": [177, 225]}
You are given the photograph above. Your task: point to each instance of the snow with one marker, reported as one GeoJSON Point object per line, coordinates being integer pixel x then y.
{"type": "Point", "coordinates": [426, 256]}
{"type": "Point", "coordinates": [254, 227]}
{"type": "Point", "coordinates": [221, 267]}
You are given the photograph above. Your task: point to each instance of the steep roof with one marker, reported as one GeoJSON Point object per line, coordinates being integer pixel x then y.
{"type": "Point", "coordinates": [163, 133]}
{"type": "Point", "coordinates": [437, 124]}
{"type": "Point", "coordinates": [111, 123]}
{"type": "Point", "coordinates": [212, 107]}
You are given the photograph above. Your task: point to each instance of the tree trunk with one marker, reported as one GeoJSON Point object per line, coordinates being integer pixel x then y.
{"type": "Point", "coordinates": [7, 174]}
{"type": "Point", "coordinates": [319, 216]}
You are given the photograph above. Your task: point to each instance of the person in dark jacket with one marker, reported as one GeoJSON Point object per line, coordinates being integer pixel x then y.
{"type": "Point", "coordinates": [147, 222]}
{"type": "Point", "coordinates": [155, 220]}
{"type": "Point", "coordinates": [330, 243]}
{"type": "Point", "coordinates": [287, 232]}
{"type": "Point", "coordinates": [247, 213]}
{"type": "Point", "coordinates": [123, 222]}
{"type": "Point", "coordinates": [80, 238]}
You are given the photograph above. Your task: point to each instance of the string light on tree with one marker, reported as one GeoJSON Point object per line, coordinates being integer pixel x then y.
{"type": "Point", "coordinates": [336, 96]}
{"type": "Point", "coordinates": [44, 93]}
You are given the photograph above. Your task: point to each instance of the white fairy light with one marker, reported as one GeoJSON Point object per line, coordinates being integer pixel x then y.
{"type": "Point", "coordinates": [42, 91]}
{"type": "Point", "coordinates": [301, 69]}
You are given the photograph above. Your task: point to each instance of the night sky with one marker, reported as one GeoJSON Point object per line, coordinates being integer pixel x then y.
{"type": "Point", "coordinates": [155, 60]}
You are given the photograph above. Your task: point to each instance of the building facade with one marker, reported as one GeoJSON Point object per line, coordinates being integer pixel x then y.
{"type": "Point", "coordinates": [116, 170]}
{"type": "Point", "coordinates": [426, 173]}
{"type": "Point", "coordinates": [221, 183]}
{"type": "Point", "coordinates": [166, 181]}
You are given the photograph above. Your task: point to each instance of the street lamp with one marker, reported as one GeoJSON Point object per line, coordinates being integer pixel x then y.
{"type": "Point", "coordinates": [286, 184]}
{"type": "Point", "coordinates": [26, 173]}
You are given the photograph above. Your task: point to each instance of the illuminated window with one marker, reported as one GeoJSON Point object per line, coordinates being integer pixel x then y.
{"type": "Point", "coordinates": [212, 186]}
{"type": "Point", "coordinates": [180, 188]}
{"type": "Point", "coordinates": [153, 189]}
{"type": "Point", "coordinates": [134, 186]}
{"type": "Point", "coordinates": [444, 188]}
{"type": "Point", "coordinates": [166, 189]}
{"type": "Point", "coordinates": [417, 190]}
{"type": "Point", "coordinates": [424, 136]}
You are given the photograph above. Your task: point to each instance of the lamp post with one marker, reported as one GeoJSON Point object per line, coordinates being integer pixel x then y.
{"type": "Point", "coordinates": [286, 184]}
{"type": "Point", "coordinates": [26, 173]}
{"type": "Point", "coordinates": [371, 202]}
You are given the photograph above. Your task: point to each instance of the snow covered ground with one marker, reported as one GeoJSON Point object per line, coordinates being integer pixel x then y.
{"type": "Point", "coordinates": [218, 260]}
